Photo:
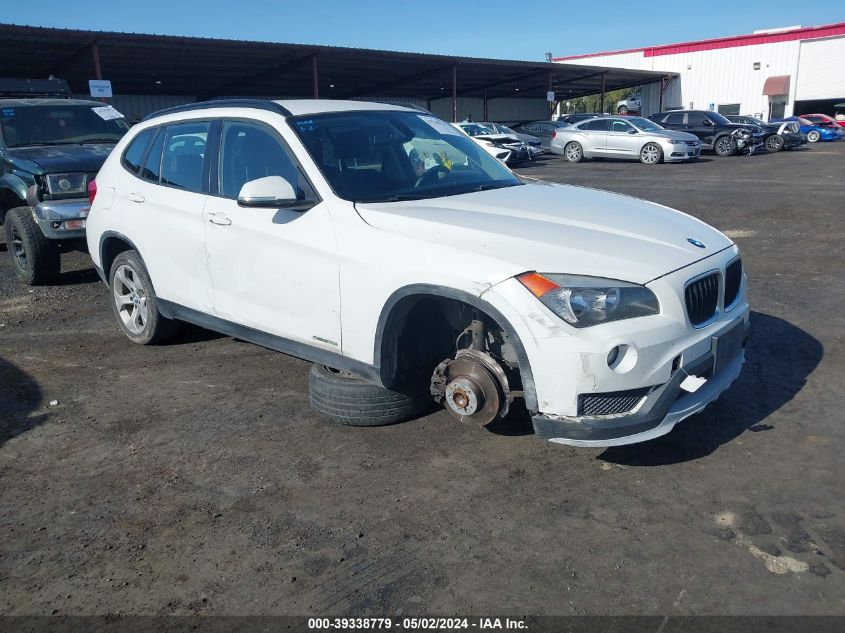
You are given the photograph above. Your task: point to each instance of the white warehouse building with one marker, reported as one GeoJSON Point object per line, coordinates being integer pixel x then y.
{"type": "Point", "coordinates": [769, 74]}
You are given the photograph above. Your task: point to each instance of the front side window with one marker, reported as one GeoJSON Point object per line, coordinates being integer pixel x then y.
{"type": "Point", "coordinates": [395, 155]}
{"type": "Point", "coordinates": [27, 126]}
{"type": "Point", "coordinates": [183, 155]}
{"type": "Point", "coordinates": [249, 152]}
{"type": "Point", "coordinates": [697, 118]}
{"type": "Point", "coordinates": [620, 126]}
{"type": "Point", "coordinates": [644, 124]}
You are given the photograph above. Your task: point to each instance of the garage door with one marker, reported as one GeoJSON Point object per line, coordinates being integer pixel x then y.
{"type": "Point", "coordinates": [820, 74]}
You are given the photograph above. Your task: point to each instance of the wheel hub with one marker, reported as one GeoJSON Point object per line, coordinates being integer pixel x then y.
{"type": "Point", "coordinates": [471, 391]}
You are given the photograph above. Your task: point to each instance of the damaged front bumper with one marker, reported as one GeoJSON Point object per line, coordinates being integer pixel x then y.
{"type": "Point", "coordinates": [62, 219]}
{"type": "Point", "coordinates": [664, 406]}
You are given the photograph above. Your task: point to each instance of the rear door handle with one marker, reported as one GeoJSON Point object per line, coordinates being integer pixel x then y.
{"type": "Point", "coordinates": [136, 197]}
{"type": "Point", "coordinates": [219, 218]}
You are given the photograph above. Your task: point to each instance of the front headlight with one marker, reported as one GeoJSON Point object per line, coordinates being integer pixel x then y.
{"type": "Point", "coordinates": [586, 301]}
{"type": "Point", "coordinates": [675, 141]}
{"type": "Point", "coordinates": [61, 184]}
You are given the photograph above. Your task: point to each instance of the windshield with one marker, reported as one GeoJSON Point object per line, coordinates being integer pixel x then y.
{"type": "Point", "coordinates": [61, 125]}
{"type": "Point", "coordinates": [644, 124]}
{"type": "Point", "coordinates": [718, 118]}
{"type": "Point", "coordinates": [394, 155]}
{"type": "Point", "coordinates": [504, 129]}
{"type": "Point", "coordinates": [474, 129]}
{"type": "Point", "coordinates": [804, 121]}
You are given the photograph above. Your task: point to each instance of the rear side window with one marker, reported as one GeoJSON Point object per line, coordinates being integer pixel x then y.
{"type": "Point", "coordinates": [183, 155]}
{"type": "Point", "coordinates": [134, 154]}
{"type": "Point", "coordinates": [676, 118]}
{"type": "Point", "coordinates": [599, 125]}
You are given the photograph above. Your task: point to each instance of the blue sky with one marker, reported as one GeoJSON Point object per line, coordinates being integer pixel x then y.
{"type": "Point", "coordinates": [489, 28]}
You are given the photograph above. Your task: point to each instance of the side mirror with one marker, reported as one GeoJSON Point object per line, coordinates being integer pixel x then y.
{"type": "Point", "coordinates": [632, 131]}
{"type": "Point", "coordinates": [270, 191]}
{"type": "Point", "coordinates": [707, 122]}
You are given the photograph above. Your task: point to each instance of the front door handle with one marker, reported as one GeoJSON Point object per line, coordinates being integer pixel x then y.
{"type": "Point", "coordinates": [136, 197]}
{"type": "Point", "coordinates": [219, 219]}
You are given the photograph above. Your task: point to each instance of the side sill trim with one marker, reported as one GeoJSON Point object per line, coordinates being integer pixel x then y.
{"type": "Point", "coordinates": [270, 341]}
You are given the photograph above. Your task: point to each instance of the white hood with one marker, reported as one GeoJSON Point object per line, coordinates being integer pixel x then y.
{"type": "Point", "coordinates": [556, 229]}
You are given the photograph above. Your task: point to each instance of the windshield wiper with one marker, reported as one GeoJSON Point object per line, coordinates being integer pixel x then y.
{"type": "Point", "coordinates": [489, 186]}
{"type": "Point", "coordinates": [98, 140]}
{"type": "Point", "coordinates": [399, 197]}
{"type": "Point", "coordinates": [43, 143]}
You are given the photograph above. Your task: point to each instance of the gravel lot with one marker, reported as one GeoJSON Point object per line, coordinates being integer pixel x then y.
{"type": "Point", "coordinates": [194, 477]}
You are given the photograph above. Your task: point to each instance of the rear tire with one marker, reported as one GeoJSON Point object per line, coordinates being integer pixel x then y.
{"type": "Point", "coordinates": [346, 399]}
{"type": "Point", "coordinates": [724, 146]}
{"type": "Point", "coordinates": [134, 301]}
{"type": "Point", "coordinates": [774, 143]}
{"type": "Point", "coordinates": [813, 136]}
{"type": "Point", "coordinates": [573, 152]}
{"type": "Point", "coordinates": [35, 259]}
{"type": "Point", "coordinates": [622, 109]}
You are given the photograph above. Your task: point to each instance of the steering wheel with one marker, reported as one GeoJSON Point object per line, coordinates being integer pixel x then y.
{"type": "Point", "coordinates": [429, 175]}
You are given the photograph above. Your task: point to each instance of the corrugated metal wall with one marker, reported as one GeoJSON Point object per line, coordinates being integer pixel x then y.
{"type": "Point", "coordinates": [136, 107]}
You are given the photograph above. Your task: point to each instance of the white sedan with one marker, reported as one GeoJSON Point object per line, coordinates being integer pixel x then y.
{"type": "Point", "coordinates": [386, 247]}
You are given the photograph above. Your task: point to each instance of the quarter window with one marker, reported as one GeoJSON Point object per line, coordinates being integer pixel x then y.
{"type": "Point", "coordinates": [134, 154]}
{"type": "Point", "coordinates": [152, 166]}
{"type": "Point", "coordinates": [249, 152]}
{"type": "Point", "coordinates": [183, 155]}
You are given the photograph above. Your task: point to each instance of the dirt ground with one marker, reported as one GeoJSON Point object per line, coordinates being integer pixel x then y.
{"type": "Point", "coordinates": [195, 478]}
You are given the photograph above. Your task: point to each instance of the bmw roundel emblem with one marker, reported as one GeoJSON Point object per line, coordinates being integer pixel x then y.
{"type": "Point", "coordinates": [695, 242]}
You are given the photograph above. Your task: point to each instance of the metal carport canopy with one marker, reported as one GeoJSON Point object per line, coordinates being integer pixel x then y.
{"type": "Point", "coordinates": [207, 68]}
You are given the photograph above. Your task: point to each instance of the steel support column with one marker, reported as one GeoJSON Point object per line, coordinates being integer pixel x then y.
{"type": "Point", "coordinates": [455, 93]}
{"type": "Point", "coordinates": [551, 103]}
{"type": "Point", "coordinates": [315, 76]}
{"type": "Point", "coordinates": [486, 118]}
{"type": "Point", "coordinates": [601, 101]}
{"type": "Point", "coordinates": [98, 71]}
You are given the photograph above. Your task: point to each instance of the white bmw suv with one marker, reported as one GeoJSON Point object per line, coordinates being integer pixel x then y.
{"type": "Point", "coordinates": [409, 265]}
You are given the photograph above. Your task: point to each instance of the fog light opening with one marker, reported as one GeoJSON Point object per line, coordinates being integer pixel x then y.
{"type": "Point", "coordinates": [622, 358]}
{"type": "Point", "coordinates": [676, 364]}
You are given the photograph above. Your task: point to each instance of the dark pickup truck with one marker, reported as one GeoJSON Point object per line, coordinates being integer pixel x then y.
{"type": "Point", "coordinates": [50, 151]}
{"type": "Point", "coordinates": [715, 132]}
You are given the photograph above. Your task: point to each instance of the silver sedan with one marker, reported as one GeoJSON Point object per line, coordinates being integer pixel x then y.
{"type": "Point", "coordinates": [624, 137]}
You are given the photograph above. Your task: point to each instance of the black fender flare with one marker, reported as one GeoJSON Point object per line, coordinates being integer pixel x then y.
{"type": "Point", "coordinates": [385, 361]}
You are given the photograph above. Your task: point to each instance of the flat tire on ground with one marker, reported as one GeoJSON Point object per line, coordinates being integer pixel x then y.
{"type": "Point", "coordinates": [344, 398]}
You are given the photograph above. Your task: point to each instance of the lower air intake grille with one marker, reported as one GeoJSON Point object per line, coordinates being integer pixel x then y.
{"type": "Point", "coordinates": [702, 297]}
{"type": "Point", "coordinates": [611, 402]}
{"type": "Point", "coordinates": [733, 279]}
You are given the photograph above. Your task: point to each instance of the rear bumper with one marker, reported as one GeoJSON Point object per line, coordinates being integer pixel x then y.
{"type": "Point", "coordinates": [658, 414]}
{"type": "Point", "coordinates": [62, 219]}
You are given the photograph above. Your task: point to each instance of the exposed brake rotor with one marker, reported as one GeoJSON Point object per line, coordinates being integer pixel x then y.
{"type": "Point", "coordinates": [470, 388]}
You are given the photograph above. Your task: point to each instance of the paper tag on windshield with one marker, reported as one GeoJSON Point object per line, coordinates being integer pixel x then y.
{"type": "Point", "coordinates": [107, 113]}
{"type": "Point", "coordinates": [440, 126]}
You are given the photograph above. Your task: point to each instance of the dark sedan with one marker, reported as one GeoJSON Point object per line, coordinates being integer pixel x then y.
{"type": "Point", "coordinates": [777, 136]}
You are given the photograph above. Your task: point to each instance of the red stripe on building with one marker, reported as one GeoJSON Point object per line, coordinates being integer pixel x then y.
{"type": "Point", "coordinates": [828, 30]}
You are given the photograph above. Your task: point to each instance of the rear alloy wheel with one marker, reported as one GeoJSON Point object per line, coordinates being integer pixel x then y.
{"type": "Point", "coordinates": [573, 152]}
{"type": "Point", "coordinates": [347, 399]}
{"type": "Point", "coordinates": [622, 110]}
{"type": "Point", "coordinates": [774, 143]}
{"type": "Point", "coordinates": [134, 302]}
{"type": "Point", "coordinates": [813, 136]}
{"type": "Point", "coordinates": [651, 154]}
{"type": "Point", "coordinates": [725, 146]}
{"type": "Point", "coordinates": [35, 258]}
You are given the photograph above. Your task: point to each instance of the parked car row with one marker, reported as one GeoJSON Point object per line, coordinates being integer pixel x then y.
{"type": "Point", "coordinates": [676, 135]}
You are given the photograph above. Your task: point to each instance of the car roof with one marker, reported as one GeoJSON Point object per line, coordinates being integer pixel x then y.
{"type": "Point", "coordinates": [16, 103]}
{"type": "Point", "coordinates": [319, 106]}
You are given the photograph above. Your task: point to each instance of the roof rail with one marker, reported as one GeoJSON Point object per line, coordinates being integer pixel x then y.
{"type": "Point", "coordinates": [257, 104]}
